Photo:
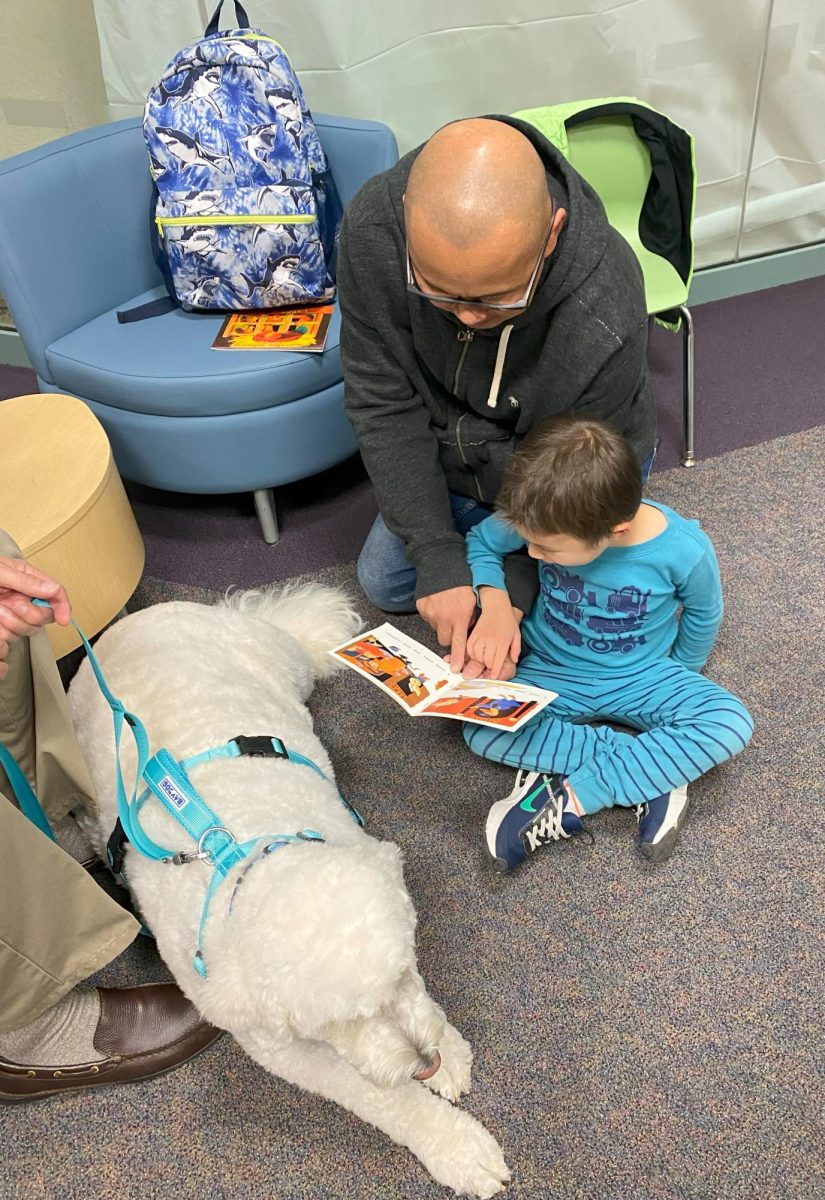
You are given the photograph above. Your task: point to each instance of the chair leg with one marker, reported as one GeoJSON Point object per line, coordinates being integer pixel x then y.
{"type": "Point", "coordinates": [267, 516]}
{"type": "Point", "coordinates": [689, 459]}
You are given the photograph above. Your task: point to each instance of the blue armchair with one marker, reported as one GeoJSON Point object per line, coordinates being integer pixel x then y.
{"type": "Point", "coordinates": [74, 248]}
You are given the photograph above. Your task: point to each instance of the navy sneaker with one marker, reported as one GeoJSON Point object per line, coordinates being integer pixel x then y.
{"type": "Point", "coordinates": [659, 823]}
{"type": "Point", "coordinates": [537, 811]}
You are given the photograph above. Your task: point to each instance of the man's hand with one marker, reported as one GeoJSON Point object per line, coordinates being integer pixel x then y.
{"type": "Point", "coordinates": [496, 636]}
{"type": "Point", "coordinates": [19, 582]}
{"type": "Point", "coordinates": [450, 613]}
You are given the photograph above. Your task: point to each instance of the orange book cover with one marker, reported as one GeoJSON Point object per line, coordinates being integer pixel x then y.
{"type": "Point", "coordinates": [301, 329]}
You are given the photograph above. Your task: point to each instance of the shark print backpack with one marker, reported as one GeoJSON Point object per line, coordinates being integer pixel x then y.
{"type": "Point", "coordinates": [246, 213]}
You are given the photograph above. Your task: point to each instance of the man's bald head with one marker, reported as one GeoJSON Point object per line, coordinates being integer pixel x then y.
{"type": "Point", "coordinates": [472, 179]}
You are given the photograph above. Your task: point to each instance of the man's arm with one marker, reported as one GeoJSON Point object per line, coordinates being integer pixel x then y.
{"type": "Point", "coordinates": [396, 441]}
{"type": "Point", "coordinates": [620, 395]}
{"type": "Point", "coordinates": [522, 581]}
{"type": "Point", "coordinates": [612, 358]}
{"type": "Point", "coordinates": [701, 597]}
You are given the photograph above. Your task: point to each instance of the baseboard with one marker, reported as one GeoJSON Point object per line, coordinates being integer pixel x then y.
{"type": "Point", "coordinates": [757, 274]}
{"type": "Point", "coordinates": [711, 283]}
{"type": "Point", "coordinates": [12, 353]}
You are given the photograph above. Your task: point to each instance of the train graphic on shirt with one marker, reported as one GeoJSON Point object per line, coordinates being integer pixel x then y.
{"type": "Point", "coordinates": [612, 629]}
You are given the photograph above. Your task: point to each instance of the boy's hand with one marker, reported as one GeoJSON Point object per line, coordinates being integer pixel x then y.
{"type": "Point", "coordinates": [477, 670]}
{"type": "Point", "coordinates": [496, 636]}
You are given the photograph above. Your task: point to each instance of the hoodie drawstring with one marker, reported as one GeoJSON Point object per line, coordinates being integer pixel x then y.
{"type": "Point", "coordinates": [492, 399]}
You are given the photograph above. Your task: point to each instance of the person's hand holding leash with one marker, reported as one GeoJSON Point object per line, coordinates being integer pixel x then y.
{"type": "Point", "coordinates": [19, 582]}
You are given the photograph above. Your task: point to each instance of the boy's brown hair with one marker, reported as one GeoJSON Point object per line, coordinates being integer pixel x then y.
{"type": "Point", "coordinates": [571, 476]}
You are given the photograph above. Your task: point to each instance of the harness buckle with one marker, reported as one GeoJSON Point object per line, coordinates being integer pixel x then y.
{"type": "Point", "coordinates": [260, 747]}
{"type": "Point", "coordinates": [209, 855]}
{"type": "Point", "coordinates": [181, 857]}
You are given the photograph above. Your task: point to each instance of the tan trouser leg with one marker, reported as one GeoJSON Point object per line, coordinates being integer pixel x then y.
{"type": "Point", "coordinates": [56, 925]}
{"type": "Point", "coordinates": [36, 726]}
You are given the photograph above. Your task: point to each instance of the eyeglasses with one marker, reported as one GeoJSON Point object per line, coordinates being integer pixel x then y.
{"type": "Point", "coordinates": [459, 302]}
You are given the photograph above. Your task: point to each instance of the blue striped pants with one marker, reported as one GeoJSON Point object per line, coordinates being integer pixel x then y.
{"type": "Point", "coordinates": [688, 725]}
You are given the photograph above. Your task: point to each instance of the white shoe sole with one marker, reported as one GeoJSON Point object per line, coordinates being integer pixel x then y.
{"type": "Point", "coordinates": [662, 848]}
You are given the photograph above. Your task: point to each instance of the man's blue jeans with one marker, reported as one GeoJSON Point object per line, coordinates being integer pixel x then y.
{"type": "Point", "coordinates": [385, 574]}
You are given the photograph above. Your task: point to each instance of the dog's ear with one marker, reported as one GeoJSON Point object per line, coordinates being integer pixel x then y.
{"type": "Point", "coordinates": [265, 1041]}
{"type": "Point", "coordinates": [261, 1027]}
{"type": "Point", "coordinates": [295, 666]}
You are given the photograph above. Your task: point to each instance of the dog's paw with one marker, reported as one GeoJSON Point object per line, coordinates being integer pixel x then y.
{"type": "Point", "coordinates": [474, 1164]}
{"type": "Point", "coordinates": [452, 1079]}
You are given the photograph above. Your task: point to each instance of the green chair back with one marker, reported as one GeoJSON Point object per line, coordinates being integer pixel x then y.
{"type": "Point", "coordinates": [616, 164]}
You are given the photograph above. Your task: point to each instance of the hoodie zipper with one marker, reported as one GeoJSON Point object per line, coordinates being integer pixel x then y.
{"type": "Point", "coordinates": [463, 455]}
{"type": "Point", "coordinates": [465, 336]}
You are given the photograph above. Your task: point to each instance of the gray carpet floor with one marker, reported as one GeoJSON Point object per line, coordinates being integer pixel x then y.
{"type": "Point", "coordinates": [640, 1033]}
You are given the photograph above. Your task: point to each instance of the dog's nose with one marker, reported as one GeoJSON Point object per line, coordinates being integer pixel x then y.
{"type": "Point", "coordinates": [427, 1071]}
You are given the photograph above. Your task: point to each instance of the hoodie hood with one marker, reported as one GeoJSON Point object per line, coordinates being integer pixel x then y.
{"type": "Point", "coordinates": [582, 242]}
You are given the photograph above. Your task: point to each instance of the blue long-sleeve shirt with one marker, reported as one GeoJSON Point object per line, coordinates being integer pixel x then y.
{"type": "Point", "coordinates": [619, 610]}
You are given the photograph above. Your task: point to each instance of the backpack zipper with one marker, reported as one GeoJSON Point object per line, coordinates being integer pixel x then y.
{"type": "Point", "coordinates": [239, 219]}
{"type": "Point", "coordinates": [248, 37]}
{"type": "Point", "coordinates": [258, 37]}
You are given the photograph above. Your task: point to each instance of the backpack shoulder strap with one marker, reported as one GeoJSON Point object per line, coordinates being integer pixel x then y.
{"type": "Point", "coordinates": [163, 304]}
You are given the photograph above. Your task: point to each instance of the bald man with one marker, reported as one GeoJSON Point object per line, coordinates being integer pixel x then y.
{"type": "Point", "coordinates": [482, 291]}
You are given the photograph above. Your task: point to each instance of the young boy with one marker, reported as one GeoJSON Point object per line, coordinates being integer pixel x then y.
{"type": "Point", "coordinates": [603, 633]}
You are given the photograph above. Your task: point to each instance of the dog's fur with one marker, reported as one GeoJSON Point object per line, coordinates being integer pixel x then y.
{"type": "Point", "coordinates": [313, 971]}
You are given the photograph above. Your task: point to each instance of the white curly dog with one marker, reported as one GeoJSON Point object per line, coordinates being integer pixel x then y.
{"type": "Point", "coordinates": [313, 971]}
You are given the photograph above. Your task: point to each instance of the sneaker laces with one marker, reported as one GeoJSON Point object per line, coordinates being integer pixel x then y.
{"type": "Point", "coordinates": [548, 825]}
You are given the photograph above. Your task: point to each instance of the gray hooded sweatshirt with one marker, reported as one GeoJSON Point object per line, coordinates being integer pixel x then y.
{"type": "Point", "coordinates": [437, 407]}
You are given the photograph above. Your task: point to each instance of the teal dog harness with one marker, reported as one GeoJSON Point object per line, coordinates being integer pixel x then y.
{"type": "Point", "coordinates": [167, 779]}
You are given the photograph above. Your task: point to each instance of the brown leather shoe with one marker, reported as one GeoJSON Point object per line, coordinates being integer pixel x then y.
{"type": "Point", "coordinates": [142, 1031]}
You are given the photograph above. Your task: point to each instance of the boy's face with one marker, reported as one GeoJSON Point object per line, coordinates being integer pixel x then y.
{"type": "Point", "coordinates": [565, 550]}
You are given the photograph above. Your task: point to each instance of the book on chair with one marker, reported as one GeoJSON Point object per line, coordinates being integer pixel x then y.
{"type": "Point", "coordinates": [302, 329]}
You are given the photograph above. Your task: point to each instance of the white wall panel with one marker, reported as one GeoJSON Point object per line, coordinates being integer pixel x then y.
{"type": "Point", "coordinates": [785, 203]}
{"type": "Point", "coordinates": [418, 65]}
{"type": "Point", "coordinates": [50, 74]}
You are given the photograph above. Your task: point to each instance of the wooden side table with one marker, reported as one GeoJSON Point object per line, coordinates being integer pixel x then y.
{"type": "Point", "coordinates": [63, 502]}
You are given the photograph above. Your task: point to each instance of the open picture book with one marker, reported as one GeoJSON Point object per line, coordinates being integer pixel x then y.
{"type": "Point", "coordinates": [421, 681]}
